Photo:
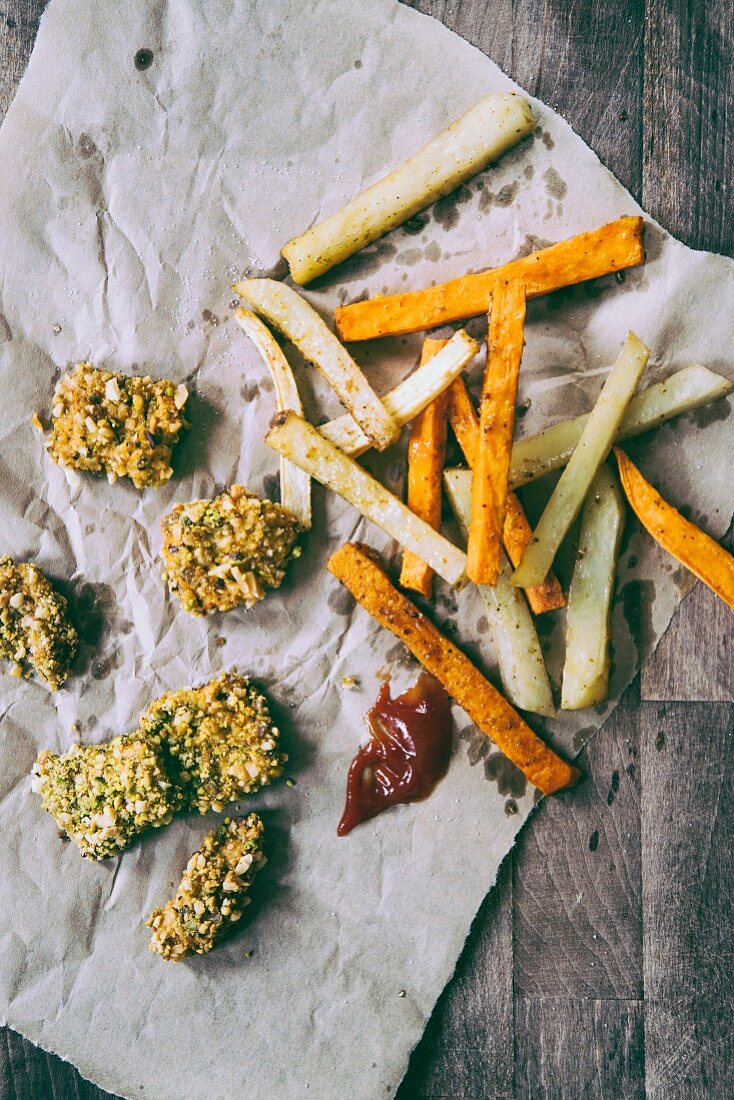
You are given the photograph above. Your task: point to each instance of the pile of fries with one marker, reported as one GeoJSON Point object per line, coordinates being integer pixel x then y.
{"type": "Point", "coordinates": [510, 563]}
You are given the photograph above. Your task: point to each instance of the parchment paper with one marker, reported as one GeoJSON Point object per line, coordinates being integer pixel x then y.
{"type": "Point", "coordinates": [128, 202]}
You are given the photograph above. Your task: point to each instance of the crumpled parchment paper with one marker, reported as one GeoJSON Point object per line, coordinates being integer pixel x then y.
{"type": "Point", "coordinates": [128, 202]}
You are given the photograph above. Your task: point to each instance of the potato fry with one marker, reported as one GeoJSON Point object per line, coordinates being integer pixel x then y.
{"type": "Point", "coordinates": [613, 247]}
{"type": "Point", "coordinates": [354, 566]}
{"type": "Point", "coordinates": [481, 135]}
{"type": "Point", "coordinates": [593, 447]}
{"type": "Point", "coordinates": [586, 670]}
{"type": "Point", "coordinates": [411, 397]}
{"type": "Point", "coordinates": [516, 644]}
{"type": "Point", "coordinates": [516, 532]}
{"type": "Point", "coordinates": [291, 314]}
{"type": "Point", "coordinates": [299, 441]}
{"type": "Point", "coordinates": [426, 454]}
{"type": "Point", "coordinates": [496, 427]}
{"type": "Point", "coordinates": [691, 546]}
{"type": "Point", "coordinates": [687, 389]}
{"type": "Point", "coordinates": [295, 485]}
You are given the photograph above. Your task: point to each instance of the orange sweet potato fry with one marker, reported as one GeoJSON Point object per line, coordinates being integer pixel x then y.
{"type": "Point", "coordinates": [356, 568]}
{"type": "Point", "coordinates": [517, 532]}
{"type": "Point", "coordinates": [613, 247]}
{"type": "Point", "coordinates": [696, 550]}
{"type": "Point", "coordinates": [496, 427]}
{"type": "Point", "coordinates": [426, 454]}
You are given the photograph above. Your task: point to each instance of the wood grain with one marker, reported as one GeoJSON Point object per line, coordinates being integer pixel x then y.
{"type": "Point", "coordinates": [577, 885]}
{"type": "Point", "coordinates": [569, 1048]}
{"type": "Point", "coordinates": [687, 898]}
{"type": "Point", "coordinates": [539, 1007]}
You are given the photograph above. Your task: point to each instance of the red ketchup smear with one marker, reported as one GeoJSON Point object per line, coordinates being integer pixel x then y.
{"type": "Point", "coordinates": [407, 755]}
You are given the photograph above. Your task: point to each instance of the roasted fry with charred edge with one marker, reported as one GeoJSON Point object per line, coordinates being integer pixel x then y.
{"type": "Point", "coordinates": [613, 247]}
{"type": "Point", "coordinates": [692, 547]}
{"type": "Point", "coordinates": [426, 454]}
{"type": "Point", "coordinates": [516, 531]}
{"type": "Point", "coordinates": [496, 426]}
{"type": "Point", "coordinates": [355, 567]}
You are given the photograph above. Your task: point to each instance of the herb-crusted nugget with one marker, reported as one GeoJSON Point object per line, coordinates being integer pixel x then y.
{"type": "Point", "coordinates": [34, 625]}
{"type": "Point", "coordinates": [227, 552]}
{"type": "Point", "coordinates": [211, 896]}
{"type": "Point", "coordinates": [116, 424]}
{"type": "Point", "coordinates": [104, 796]}
{"type": "Point", "coordinates": [221, 738]}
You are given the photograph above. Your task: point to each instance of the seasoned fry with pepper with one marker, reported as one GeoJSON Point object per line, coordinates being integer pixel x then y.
{"type": "Point", "coordinates": [104, 796]}
{"type": "Point", "coordinates": [221, 738]}
{"type": "Point", "coordinates": [117, 425]}
{"type": "Point", "coordinates": [213, 891]}
{"type": "Point", "coordinates": [227, 552]}
{"type": "Point", "coordinates": [34, 625]}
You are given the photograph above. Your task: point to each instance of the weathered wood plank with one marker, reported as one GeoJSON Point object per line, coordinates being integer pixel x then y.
{"type": "Point", "coordinates": [688, 898]}
{"type": "Point", "coordinates": [18, 26]}
{"type": "Point", "coordinates": [577, 886]}
{"type": "Point", "coordinates": [467, 1048]}
{"type": "Point", "coordinates": [27, 1073]}
{"type": "Point", "coordinates": [687, 184]}
{"type": "Point", "coordinates": [585, 60]}
{"type": "Point", "coordinates": [569, 1047]}
{"type": "Point", "coordinates": [695, 659]}
{"type": "Point", "coordinates": [689, 103]}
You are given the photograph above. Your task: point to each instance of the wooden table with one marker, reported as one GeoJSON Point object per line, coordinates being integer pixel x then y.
{"type": "Point", "coordinates": [601, 965]}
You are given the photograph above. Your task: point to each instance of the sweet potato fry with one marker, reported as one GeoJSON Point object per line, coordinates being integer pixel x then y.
{"type": "Point", "coordinates": [516, 532]}
{"type": "Point", "coordinates": [426, 454]}
{"type": "Point", "coordinates": [354, 566]}
{"type": "Point", "coordinates": [692, 547]}
{"type": "Point", "coordinates": [464, 420]}
{"type": "Point", "coordinates": [496, 427]}
{"type": "Point", "coordinates": [613, 247]}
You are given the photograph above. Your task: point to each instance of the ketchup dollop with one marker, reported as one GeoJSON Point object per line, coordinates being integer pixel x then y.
{"type": "Point", "coordinates": [407, 754]}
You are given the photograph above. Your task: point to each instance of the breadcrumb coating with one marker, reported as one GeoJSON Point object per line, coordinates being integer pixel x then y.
{"type": "Point", "coordinates": [213, 891]}
{"type": "Point", "coordinates": [116, 424]}
{"type": "Point", "coordinates": [104, 796]}
{"type": "Point", "coordinates": [221, 738]}
{"type": "Point", "coordinates": [34, 624]}
{"type": "Point", "coordinates": [227, 552]}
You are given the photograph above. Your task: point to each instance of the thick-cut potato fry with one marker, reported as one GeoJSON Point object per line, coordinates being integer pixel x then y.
{"type": "Point", "coordinates": [595, 444]}
{"type": "Point", "coordinates": [481, 135]}
{"type": "Point", "coordinates": [516, 532]}
{"type": "Point", "coordinates": [295, 485]}
{"type": "Point", "coordinates": [354, 566]}
{"type": "Point", "coordinates": [411, 397]}
{"type": "Point", "coordinates": [586, 670]}
{"type": "Point", "coordinates": [496, 426]}
{"type": "Point", "coordinates": [299, 441]}
{"type": "Point", "coordinates": [692, 547]}
{"type": "Point", "coordinates": [519, 654]}
{"type": "Point", "coordinates": [426, 454]}
{"type": "Point", "coordinates": [613, 247]}
{"type": "Point", "coordinates": [687, 389]}
{"type": "Point", "coordinates": [286, 310]}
